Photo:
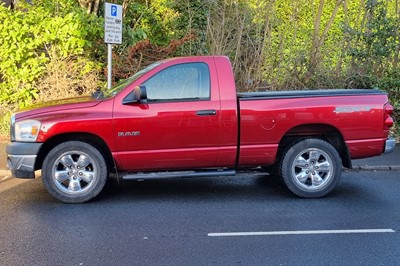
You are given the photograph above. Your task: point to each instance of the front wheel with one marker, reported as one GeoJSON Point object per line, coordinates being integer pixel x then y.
{"type": "Point", "coordinates": [311, 168]}
{"type": "Point", "coordinates": [74, 172]}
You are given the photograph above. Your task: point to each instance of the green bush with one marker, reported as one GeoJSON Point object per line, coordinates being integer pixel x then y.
{"type": "Point", "coordinates": [272, 44]}
{"type": "Point", "coordinates": [27, 34]}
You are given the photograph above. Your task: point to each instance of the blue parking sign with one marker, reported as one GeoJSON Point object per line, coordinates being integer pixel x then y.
{"type": "Point", "coordinates": [113, 10]}
{"type": "Point", "coordinates": [112, 23]}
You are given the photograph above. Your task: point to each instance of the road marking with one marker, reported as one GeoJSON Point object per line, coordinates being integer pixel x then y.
{"type": "Point", "coordinates": [311, 232]}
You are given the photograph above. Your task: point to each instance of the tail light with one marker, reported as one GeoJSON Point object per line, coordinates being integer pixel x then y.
{"type": "Point", "coordinates": [387, 116]}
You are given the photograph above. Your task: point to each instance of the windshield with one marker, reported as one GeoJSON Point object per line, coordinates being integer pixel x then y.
{"type": "Point", "coordinates": [123, 83]}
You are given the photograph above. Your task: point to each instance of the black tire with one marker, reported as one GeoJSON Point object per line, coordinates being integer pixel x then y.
{"type": "Point", "coordinates": [74, 172]}
{"type": "Point", "coordinates": [311, 168]}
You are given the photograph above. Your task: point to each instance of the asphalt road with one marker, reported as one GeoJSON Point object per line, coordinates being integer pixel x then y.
{"type": "Point", "coordinates": [172, 222]}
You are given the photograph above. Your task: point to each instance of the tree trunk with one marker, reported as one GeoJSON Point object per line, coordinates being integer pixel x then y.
{"type": "Point", "coordinates": [91, 6]}
{"type": "Point", "coordinates": [318, 40]}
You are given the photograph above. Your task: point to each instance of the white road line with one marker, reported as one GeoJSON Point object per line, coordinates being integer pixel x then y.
{"type": "Point", "coordinates": [311, 232]}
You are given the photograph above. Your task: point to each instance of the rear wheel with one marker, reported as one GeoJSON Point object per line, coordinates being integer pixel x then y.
{"type": "Point", "coordinates": [74, 172]}
{"type": "Point", "coordinates": [311, 168]}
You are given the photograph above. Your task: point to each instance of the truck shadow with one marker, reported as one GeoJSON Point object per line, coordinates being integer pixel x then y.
{"type": "Point", "coordinates": [238, 188]}
{"type": "Point", "coordinates": [261, 188]}
{"type": "Point", "coordinates": [243, 187]}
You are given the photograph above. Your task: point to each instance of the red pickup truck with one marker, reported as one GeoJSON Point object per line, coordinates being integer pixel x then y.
{"type": "Point", "coordinates": [182, 117]}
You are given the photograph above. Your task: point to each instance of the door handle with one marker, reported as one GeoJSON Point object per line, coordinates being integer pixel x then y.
{"type": "Point", "coordinates": [206, 112]}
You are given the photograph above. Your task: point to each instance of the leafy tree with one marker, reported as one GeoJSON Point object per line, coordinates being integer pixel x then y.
{"type": "Point", "coordinates": [192, 20]}
{"type": "Point", "coordinates": [372, 44]}
{"type": "Point", "coordinates": [27, 35]}
{"type": "Point", "coordinates": [273, 44]}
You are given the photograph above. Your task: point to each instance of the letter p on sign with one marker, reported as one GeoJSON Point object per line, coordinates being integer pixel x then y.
{"type": "Point", "coordinates": [114, 10]}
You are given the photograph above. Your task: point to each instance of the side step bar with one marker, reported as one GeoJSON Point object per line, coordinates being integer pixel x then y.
{"type": "Point", "coordinates": [175, 174]}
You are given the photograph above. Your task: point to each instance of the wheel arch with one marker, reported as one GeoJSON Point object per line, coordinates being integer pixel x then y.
{"type": "Point", "coordinates": [322, 131]}
{"type": "Point", "coordinates": [91, 139]}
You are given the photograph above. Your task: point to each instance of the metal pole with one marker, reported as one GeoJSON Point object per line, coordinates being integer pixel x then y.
{"type": "Point", "coordinates": [109, 72]}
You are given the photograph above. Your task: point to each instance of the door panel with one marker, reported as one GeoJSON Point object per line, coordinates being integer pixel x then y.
{"type": "Point", "coordinates": [177, 128]}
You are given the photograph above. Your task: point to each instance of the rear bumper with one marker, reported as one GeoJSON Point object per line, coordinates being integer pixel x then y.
{"type": "Point", "coordinates": [389, 145]}
{"type": "Point", "coordinates": [21, 158]}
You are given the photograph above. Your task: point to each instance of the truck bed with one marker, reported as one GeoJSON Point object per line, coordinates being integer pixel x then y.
{"type": "Point", "coordinates": [306, 93]}
{"type": "Point", "coordinates": [352, 115]}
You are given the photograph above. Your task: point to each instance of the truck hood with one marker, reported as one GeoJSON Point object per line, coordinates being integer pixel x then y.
{"type": "Point", "coordinates": [58, 105]}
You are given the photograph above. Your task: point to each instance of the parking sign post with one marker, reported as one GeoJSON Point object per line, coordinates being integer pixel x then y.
{"type": "Point", "coordinates": [112, 33]}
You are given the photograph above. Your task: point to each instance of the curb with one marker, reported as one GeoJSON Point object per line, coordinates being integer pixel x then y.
{"type": "Point", "coordinates": [376, 168]}
{"type": "Point", "coordinates": [5, 178]}
{"type": "Point", "coordinates": [6, 175]}
{"type": "Point", "coordinates": [5, 172]}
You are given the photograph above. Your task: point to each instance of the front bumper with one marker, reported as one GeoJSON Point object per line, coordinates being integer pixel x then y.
{"type": "Point", "coordinates": [21, 158]}
{"type": "Point", "coordinates": [389, 145]}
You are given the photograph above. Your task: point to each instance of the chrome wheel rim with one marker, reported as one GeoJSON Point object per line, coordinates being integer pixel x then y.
{"type": "Point", "coordinates": [74, 172]}
{"type": "Point", "coordinates": [312, 169]}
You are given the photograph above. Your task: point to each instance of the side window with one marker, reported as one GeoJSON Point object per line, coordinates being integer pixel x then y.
{"type": "Point", "coordinates": [180, 82]}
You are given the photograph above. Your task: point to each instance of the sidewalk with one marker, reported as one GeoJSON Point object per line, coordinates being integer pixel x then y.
{"type": "Point", "coordinates": [384, 162]}
{"type": "Point", "coordinates": [389, 161]}
{"type": "Point", "coordinates": [3, 160]}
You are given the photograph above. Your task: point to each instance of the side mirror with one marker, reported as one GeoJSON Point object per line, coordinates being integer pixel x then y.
{"type": "Point", "coordinates": [139, 94]}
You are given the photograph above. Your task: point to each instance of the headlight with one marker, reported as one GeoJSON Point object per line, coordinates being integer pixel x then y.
{"type": "Point", "coordinates": [26, 130]}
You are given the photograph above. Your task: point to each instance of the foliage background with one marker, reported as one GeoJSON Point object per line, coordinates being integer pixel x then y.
{"type": "Point", "coordinates": [52, 49]}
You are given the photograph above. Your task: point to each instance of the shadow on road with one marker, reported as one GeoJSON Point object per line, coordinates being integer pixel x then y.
{"type": "Point", "coordinates": [241, 188]}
